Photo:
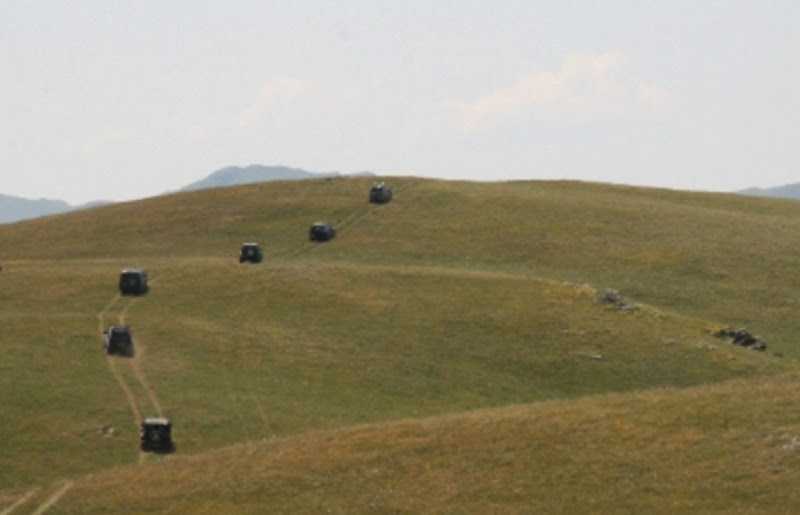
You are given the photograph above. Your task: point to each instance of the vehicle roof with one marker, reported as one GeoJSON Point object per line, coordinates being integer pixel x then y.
{"type": "Point", "coordinates": [132, 271]}
{"type": "Point", "coordinates": [156, 421]}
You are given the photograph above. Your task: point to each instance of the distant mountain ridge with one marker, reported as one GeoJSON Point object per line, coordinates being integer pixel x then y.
{"type": "Point", "coordinates": [254, 173]}
{"type": "Point", "coordinates": [785, 191]}
{"type": "Point", "coordinates": [18, 208]}
{"type": "Point", "coordinates": [14, 209]}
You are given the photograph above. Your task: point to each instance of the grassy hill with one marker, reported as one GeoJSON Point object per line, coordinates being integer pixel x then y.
{"type": "Point", "coordinates": [446, 352]}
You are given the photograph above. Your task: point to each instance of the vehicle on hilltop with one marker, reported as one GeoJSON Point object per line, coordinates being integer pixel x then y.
{"type": "Point", "coordinates": [380, 193]}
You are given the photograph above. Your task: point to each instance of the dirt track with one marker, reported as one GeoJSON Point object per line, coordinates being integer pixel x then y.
{"type": "Point", "coordinates": [47, 503]}
{"type": "Point", "coordinates": [115, 364]}
{"type": "Point", "coordinates": [50, 501]}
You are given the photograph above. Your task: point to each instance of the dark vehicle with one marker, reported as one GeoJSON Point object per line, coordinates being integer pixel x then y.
{"type": "Point", "coordinates": [117, 340]}
{"type": "Point", "coordinates": [133, 281]}
{"type": "Point", "coordinates": [380, 193]}
{"type": "Point", "coordinates": [321, 231]}
{"type": "Point", "coordinates": [155, 434]}
{"type": "Point", "coordinates": [250, 252]}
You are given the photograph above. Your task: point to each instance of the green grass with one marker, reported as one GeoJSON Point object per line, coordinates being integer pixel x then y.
{"type": "Point", "coordinates": [446, 352]}
{"type": "Point", "coordinates": [724, 448]}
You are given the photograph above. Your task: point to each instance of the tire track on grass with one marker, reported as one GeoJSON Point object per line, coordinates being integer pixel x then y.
{"type": "Point", "coordinates": [131, 398]}
{"type": "Point", "coordinates": [129, 395]}
{"type": "Point", "coordinates": [350, 219]}
{"type": "Point", "coordinates": [259, 405]}
{"type": "Point", "coordinates": [50, 501]}
{"type": "Point", "coordinates": [354, 216]}
{"type": "Point", "coordinates": [135, 364]}
{"type": "Point", "coordinates": [19, 502]}
{"type": "Point", "coordinates": [358, 214]}
{"type": "Point", "coordinates": [136, 361]}
{"type": "Point", "coordinates": [233, 398]}
{"type": "Point", "coordinates": [137, 372]}
{"type": "Point", "coordinates": [101, 314]}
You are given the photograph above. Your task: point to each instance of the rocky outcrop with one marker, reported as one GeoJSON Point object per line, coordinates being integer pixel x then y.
{"type": "Point", "coordinates": [742, 337]}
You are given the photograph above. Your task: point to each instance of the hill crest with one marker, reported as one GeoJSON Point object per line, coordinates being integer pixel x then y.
{"type": "Point", "coordinates": [233, 175]}
{"type": "Point", "coordinates": [13, 209]}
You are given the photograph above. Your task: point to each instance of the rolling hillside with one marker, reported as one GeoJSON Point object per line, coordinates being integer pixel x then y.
{"type": "Point", "coordinates": [446, 352]}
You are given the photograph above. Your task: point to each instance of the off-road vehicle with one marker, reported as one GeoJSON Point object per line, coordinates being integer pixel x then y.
{"type": "Point", "coordinates": [380, 193]}
{"type": "Point", "coordinates": [250, 252]}
{"type": "Point", "coordinates": [117, 340]}
{"type": "Point", "coordinates": [321, 231]}
{"type": "Point", "coordinates": [133, 281]}
{"type": "Point", "coordinates": [155, 434]}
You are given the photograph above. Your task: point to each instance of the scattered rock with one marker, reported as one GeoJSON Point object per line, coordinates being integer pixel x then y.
{"type": "Point", "coordinates": [741, 337]}
{"type": "Point", "coordinates": [611, 296]}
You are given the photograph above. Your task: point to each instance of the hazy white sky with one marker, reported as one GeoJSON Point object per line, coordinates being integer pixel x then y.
{"type": "Point", "coordinates": [121, 99]}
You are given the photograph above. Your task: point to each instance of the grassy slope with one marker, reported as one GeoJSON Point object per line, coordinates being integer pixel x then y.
{"type": "Point", "coordinates": [727, 258]}
{"type": "Point", "coordinates": [726, 448]}
{"type": "Point", "coordinates": [455, 297]}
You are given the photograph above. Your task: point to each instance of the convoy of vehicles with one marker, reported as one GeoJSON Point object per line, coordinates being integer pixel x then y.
{"type": "Point", "coordinates": [155, 433]}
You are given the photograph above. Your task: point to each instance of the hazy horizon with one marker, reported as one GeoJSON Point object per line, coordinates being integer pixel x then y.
{"type": "Point", "coordinates": [122, 101]}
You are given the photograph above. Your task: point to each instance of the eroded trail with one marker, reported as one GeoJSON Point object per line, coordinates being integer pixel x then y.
{"type": "Point", "coordinates": [129, 375]}
{"type": "Point", "coordinates": [137, 373]}
{"type": "Point", "coordinates": [50, 501]}
{"type": "Point", "coordinates": [118, 366]}
{"type": "Point", "coordinates": [355, 216]}
{"type": "Point", "coordinates": [137, 413]}
{"type": "Point", "coordinates": [112, 362]}
{"type": "Point", "coordinates": [136, 361]}
{"type": "Point", "coordinates": [352, 219]}
{"type": "Point", "coordinates": [19, 502]}
{"type": "Point", "coordinates": [131, 398]}
{"type": "Point", "coordinates": [61, 488]}
{"type": "Point", "coordinates": [114, 366]}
